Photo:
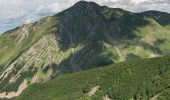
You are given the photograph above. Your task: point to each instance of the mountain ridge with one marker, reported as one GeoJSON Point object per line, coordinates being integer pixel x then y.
{"type": "Point", "coordinates": [93, 3]}
{"type": "Point", "coordinates": [79, 38]}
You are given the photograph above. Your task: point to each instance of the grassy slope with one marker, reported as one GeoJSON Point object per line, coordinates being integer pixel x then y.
{"type": "Point", "coordinates": [149, 39]}
{"type": "Point", "coordinates": [14, 50]}
{"type": "Point", "coordinates": [10, 49]}
{"type": "Point", "coordinates": [129, 80]}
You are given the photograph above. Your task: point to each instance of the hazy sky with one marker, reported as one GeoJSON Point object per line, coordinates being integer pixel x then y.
{"type": "Point", "coordinates": [17, 12]}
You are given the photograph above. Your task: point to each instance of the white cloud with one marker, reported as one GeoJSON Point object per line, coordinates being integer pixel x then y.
{"type": "Point", "coordinates": [18, 12]}
{"type": "Point", "coordinates": [54, 7]}
{"type": "Point", "coordinates": [138, 1]}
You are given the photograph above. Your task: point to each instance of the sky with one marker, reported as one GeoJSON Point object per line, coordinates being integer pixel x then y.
{"type": "Point", "coordinates": [14, 13]}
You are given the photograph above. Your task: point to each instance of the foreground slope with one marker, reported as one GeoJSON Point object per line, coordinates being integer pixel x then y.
{"type": "Point", "coordinates": [140, 80]}
{"type": "Point", "coordinates": [84, 36]}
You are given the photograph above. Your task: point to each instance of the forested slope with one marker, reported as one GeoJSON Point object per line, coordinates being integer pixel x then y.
{"type": "Point", "coordinates": [137, 80]}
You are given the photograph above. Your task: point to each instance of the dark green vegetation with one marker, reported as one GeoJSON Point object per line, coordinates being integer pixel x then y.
{"type": "Point", "coordinates": [139, 80]}
{"type": "Point", "coordinates": [82, 37]}
{"type": "Point", "coordinates": [161, 17]}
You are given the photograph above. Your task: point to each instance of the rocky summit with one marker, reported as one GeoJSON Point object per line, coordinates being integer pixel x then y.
{"type": "Point", "coordinates": [82, 37]}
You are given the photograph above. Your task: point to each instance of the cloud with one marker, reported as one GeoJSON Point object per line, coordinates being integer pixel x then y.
{"type": "Point", "coordinates": [17, 12]}
{"type": "Point", "coordinates": [138, 1]}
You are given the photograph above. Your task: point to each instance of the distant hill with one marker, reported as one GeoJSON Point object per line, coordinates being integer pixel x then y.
{"type": "Point", "coordinates": [82, 37]}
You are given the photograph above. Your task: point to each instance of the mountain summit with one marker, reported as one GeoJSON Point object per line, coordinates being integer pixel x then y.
{"type": "Point", "coordinates": [82, 37]}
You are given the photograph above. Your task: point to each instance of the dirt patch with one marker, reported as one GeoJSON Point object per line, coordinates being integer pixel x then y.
{"type": "Point", "coordinates": [152, 55]}
{"type": "Point", "coordinates": [93, 90]}
{"type": "Point", "coordinates": [106, 98]}
{"type": "Point", "coordinates": [21, 88]}
{"type": "Point", "coordinates": [155, 97]}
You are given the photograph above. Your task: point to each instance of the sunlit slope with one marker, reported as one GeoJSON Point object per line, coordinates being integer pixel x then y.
{"type": "Point", "coordinates": [13, 43]}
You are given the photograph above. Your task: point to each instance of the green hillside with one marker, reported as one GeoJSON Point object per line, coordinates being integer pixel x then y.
{"type": "Point", "coordinates": [133, 80]}
{"type": "Point", "coordinates": [161, 17]}
{"type": "Point", "coordinates": [82, 37]}
{"type": "Point", "coordinates": [13, 43]}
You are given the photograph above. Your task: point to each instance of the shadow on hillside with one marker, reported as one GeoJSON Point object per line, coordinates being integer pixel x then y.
{"type": "Point", "coordinates": [86, 58]}
{"type": "Point", "coordinates": [83, 27]}
{"type": "Point", "coordinates": [161, 17]}
{"type": "Point", "coordinates": [129, 24]}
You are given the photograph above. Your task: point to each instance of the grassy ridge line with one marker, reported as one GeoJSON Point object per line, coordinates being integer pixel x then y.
{"type": "Point", "coordinates": [142, 79]}
{"type": "Point", "coordinates": [34, 36]}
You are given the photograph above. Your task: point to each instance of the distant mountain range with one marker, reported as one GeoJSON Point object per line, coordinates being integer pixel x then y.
{"type": "Point", "coordinates": [82, 37]}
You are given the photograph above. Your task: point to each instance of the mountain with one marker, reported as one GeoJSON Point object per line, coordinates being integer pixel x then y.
{"type": "Point", "coordinates": [146, 79]}
{"type": "Point", "coordinates": [161, 17]}
{"type": "Point", "coordinates": [82, 37]}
